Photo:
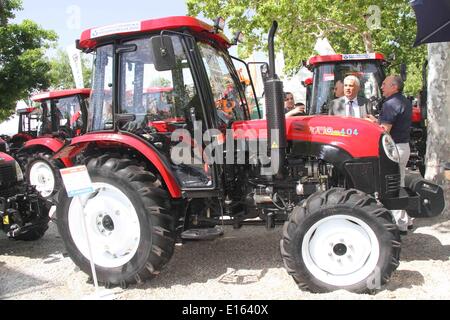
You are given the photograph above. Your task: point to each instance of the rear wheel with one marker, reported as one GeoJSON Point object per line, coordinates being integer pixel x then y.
{"type": "Point", "coordinates": [341, 239]}
{"type": "Point", "coordinates": [129, 222]}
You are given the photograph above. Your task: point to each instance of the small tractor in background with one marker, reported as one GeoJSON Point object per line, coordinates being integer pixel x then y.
{"type": "Point", "coordinates": [60, 116]}
{"type": "Point", "coordinates": [332, 183]}
{"type": "Point", "coordinates": [29, 122]}
{"type": "Point", "coordinates": [23, 212]}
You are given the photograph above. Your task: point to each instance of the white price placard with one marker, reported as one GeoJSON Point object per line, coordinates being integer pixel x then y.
{"type": "Point", "coordinates": [77, 181]}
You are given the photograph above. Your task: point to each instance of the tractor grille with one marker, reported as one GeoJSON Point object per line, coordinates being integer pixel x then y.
{"type": "Point", "coordinates": [393, 183]}
{"type": "Point", "coordinates": [7, 175]}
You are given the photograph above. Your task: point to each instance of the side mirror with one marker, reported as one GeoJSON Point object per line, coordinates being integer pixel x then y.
{"type": "Point", "coordinates": [403, 71]}
{"type": "Point", "coordinates": [163, 53]}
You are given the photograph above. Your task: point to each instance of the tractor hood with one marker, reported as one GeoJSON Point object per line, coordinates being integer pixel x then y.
{"type": "Point", "coordinates": [360, 138]}
{"type": "Point", "coordinates": [5, 158]}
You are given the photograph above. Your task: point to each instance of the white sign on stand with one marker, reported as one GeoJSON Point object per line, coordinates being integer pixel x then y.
{"type": "Point", "coordinates": [77, 181]}
{"type": "Point", "coordinates": [79, 186]}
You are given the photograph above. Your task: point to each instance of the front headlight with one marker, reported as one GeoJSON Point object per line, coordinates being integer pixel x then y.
{"type": "Point", "coordinates": [19, 173]}
{"type": "Point", "coordinates": [390, 148]}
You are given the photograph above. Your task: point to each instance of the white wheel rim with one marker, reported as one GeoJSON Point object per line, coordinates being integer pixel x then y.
{"type": "Point", "coordinates": [341, 250]}
{"type": "Point", "coordinates": [112, 225]}
{"type": "Point", "coordinates": [42, 177]}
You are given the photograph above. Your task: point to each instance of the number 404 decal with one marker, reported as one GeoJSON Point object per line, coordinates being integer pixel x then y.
{"type": "Point", "coordinates": [328, 131]}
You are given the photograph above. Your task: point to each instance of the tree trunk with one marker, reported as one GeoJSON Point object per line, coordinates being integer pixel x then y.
{"type": "Point", "coordinates": [368, 42]}
{"type": "Point", "coordinates": [438, 144]}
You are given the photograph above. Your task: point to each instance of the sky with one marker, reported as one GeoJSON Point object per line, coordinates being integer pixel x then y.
{"type": "Point", "coordinates": [68, 18]}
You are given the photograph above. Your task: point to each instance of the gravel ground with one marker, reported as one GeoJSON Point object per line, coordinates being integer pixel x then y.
{"type": "Point", "coordinates": [243, 265]}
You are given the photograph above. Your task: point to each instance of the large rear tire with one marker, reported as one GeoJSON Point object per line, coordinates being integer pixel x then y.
{"type": "Point", "coordinates": [129, 222]}
{"type": "Point", "coordinates": [341, 239]}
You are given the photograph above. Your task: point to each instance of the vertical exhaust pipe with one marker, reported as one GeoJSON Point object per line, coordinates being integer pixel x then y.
{"type": "Point", "coordinates": [276, 120]}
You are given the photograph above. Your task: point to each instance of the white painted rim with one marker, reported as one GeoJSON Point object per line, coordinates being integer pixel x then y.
{"type": "Point", "coordinates": [113, 244]}
{"type": "Point", "coordinates": [42, 177]}
{"type": "Point", "coordinates": [341, 250]}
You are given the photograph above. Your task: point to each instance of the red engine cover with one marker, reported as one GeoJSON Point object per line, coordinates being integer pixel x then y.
{"type": "Point", "coordinates": [360, 138]}
{"type": "Point", "coordinates": [5, 157]}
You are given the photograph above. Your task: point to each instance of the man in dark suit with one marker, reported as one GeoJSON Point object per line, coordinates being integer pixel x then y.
{"type": "Point", "coordinates": [350, 105]}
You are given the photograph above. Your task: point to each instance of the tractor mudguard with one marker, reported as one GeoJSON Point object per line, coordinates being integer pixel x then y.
{"type": "Point", "coordinates": [79, 144]}
{"type": "Point", "coordinates": [50, 143]}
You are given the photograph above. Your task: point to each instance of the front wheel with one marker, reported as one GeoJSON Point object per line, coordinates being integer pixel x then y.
{"type": "Point", "coordinates": [128, 220]}
{"type": "Point", "coordinates": [341, 239]}
{"type": "Point", "coordinates": [42, 173]}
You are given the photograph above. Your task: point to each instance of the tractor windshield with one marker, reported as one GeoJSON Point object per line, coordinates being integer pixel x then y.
{"type": "Point", "coordinates": [329, 75]}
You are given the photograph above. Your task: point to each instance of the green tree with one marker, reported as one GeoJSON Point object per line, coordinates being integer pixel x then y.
{"type": "Point", "coordinates": [23, 66]}
{"type": "Point", "coordinates": [61, 76]}
{"type": "Point", "coordinates": [351, 27]}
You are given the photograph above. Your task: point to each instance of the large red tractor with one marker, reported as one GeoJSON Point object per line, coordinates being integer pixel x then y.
{"type": "Point", "coordinates": [331, 182]}
{"type": "Point", "coordinates": [62, 116]}
{"type": "Point", "coordinates": [370, 69]}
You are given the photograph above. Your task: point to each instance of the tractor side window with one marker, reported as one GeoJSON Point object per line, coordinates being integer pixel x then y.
{"type": "Point", "coordinates": [68, 113]}
{"type": "Point", "coordinates": [46, 127]}
{"type": "Point", "coordinates": [158, 100]}
{"type": "Point", "coordinates": [101, 117]}
{"type": "Point", "coordinates": [230, 105]}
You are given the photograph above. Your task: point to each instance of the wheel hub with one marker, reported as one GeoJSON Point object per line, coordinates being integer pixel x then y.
{"type": "Point", "coordinates": [340, 249]}
{"type": "Point", "coordinates": [105, 224]}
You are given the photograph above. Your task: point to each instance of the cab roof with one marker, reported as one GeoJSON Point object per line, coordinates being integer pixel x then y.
{"type": "Point", "coordinates": [345, 57]}
{"type": "Point", "coordinates": [60, 94]}
{"type": "Point", "coordinates": [92, 37]}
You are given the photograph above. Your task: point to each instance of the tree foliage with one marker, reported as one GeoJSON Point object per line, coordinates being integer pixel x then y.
{"type": "Point", "coordinates": [353, 26]}
{"type": "Point", "coordinates": [61, 76]}
{"type": "Point", "coordinates": [23, 66]}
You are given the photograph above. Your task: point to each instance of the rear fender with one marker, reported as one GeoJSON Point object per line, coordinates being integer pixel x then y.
{"type": "Point", "coordinates": [48, 143]}
{"type": "Point", "coordinates": [80, 144]}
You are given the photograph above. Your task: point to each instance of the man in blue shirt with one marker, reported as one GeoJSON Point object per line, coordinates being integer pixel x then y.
{"type": "Point", "coordinates": [396, 118]}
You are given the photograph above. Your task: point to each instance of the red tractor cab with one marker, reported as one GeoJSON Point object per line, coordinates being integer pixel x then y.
{"type": "Point", "coordinates": [332, 182]}
{"type": "Point", "coordinates": [62, 116]}
{"type": "Point", "coordinates": [328, 70]}
{"type": "Point", "coordinates": [30, 120]}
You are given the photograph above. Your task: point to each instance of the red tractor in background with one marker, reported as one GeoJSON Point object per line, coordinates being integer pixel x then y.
{"type": "Point", "coordinates": [370, 69]}
{"type": "Point", "coordinates": [29, 122]}
{"type": "Point", "coordinates": [332, 183]}
{"type": "Point", "coordinates": [61, 115]}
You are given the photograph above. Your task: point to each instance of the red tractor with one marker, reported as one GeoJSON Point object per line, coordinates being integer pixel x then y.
{"type": "Point", "coordinates": [23, 212]}
{"type": "Point", "coordinates": [370, 69]}
{"type": "Point", "coordinates": [29, 121]}
{"type": "Point", "coordinates": [62, 115]}
{"type": "Point", "coordinates": [331, 183]}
